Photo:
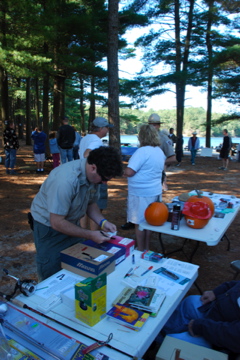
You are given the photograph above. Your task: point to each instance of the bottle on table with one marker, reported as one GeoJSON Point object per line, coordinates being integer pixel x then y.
{"type": "Point", "coordinates": [176, 217]}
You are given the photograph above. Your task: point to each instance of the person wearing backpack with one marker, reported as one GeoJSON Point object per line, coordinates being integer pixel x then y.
{"type": "Point", "coordinates": [65, 140]}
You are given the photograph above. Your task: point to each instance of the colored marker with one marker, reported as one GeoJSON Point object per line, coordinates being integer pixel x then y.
{"type": "Point", "coordinates": [133, 259]}
{"type": "Point", "coordinates": [145, 272]}
{"type": "Point", "coordinates": [129, 272]}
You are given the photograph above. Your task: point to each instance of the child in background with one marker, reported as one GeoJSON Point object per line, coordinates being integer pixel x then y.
{"type": "Point", "coordinates": [39, 137]}
{"type": "Point", "coordinates": [54, 149]}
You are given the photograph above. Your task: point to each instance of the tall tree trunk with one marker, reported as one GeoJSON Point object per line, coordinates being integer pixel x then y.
{"type": "Point", "coordinates": [92, 108]}
{"type": "Point", "coordinates": [56, 105]}
{"type": "Point", "coordinates": [4, 101]}
{"type": "Point", "coordinates": [182, 62]}
{"type": "Point", "coordinates": [45, 105]}
{"type": "Point", "coordinates": [4, 95]}
{"type": "Point", "coordinates": [45, 108]}
{"type": "Point", "coordinates": [37, 104]}
{"type": "Point", "coordinates": [179, 110]}
{"type": "Point", "coordinates": [58, 100]}
{"type": "Point", "coordinates": [113, 81]}
{"type": "Point", "coordinates": [82, 105]}
{"type": "Point", "coordinates": [28, 113]}
{"type": "Point", "coordinates": [19, 117]}
{"type": "Point", "coordinates": [210, 74]}
{"type": "Point", "coordinates": [62, 95]}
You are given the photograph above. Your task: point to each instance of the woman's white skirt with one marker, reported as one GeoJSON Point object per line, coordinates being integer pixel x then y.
{"type": "Point", "coordinates": [137, 206]}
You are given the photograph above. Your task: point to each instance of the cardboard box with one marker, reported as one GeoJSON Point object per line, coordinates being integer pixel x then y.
{"type": "Point", "coordinates": [87, 261]}
{"type": "Point", "coordinates": [90, 299]}
{"type": "Point", "coordinates": [127, 244]}
{"type": "Point", "coordinates": [118, 251]}
{"type": "Point", "coordinates": [188, 351]}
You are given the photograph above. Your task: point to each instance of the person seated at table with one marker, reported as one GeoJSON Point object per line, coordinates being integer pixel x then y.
{"type": "Point", "coordinates": [210, 320]}
{"type": "Point", "coordinates": [144, 172]}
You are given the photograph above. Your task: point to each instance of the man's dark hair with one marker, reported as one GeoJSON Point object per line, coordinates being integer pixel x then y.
{"type": "Point", "coordinates": [107, 160]}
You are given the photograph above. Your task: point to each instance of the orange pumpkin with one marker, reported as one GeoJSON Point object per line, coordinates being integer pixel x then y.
{"type": "Point", "coordinates": [204, 199]}
{"type": "Point", "coordinates": [156, 213]}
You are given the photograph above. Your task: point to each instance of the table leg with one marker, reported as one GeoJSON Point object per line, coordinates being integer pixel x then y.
{"type": "Point", "coordinates": [163, 249]}
{"type": "Point", "coordinates": [161, 243]}
{"type": "Point", "coordinates": [228, 247]}
{"type": "Point", "coordinates": [199, 289]}
{"type": "Point", "coordinates": [194, 251]}
{"type": "Point", "coordinates": [170, 252]}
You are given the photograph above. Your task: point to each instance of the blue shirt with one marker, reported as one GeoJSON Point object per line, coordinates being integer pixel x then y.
{"type": "Point", "coordinates": [39, 139]}
{"type": "Point", "coordinates": [54, 149]}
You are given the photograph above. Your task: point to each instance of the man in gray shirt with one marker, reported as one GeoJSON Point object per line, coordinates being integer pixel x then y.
{"type": "Point", "coordinates": [165, 142]}
{"type": "Point", "coordinates": [165, 145]}
{"type": "Point", "coordinates": [70, 192]}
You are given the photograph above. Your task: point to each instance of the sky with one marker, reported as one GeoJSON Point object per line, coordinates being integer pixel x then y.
{"type": "Point", "coordinates": [194, 97]}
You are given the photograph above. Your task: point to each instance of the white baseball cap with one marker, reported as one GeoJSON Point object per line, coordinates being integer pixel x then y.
{"type": "Point", "coordinates": [154, 119]}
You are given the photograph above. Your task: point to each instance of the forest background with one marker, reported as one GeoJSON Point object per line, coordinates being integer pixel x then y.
{"type": "Point", "coordinates": [61, 58]}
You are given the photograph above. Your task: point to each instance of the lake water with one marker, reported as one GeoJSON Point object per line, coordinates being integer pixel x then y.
{"type": "Point", "coordinates": [215, 141]}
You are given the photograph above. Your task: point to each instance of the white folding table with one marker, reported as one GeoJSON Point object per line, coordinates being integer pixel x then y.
{"type": "Point", "coordinates": [126, 343]}
{"type": "Point", "coordinates": [211, 234]}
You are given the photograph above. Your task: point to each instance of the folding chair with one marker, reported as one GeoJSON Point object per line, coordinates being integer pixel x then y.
{"type": "Point", "coordinates": [235, 265]}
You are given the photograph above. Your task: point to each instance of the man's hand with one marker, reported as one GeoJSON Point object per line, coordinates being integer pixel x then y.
{"type": "Point", "coordinates": [99, 237]}
{"type": "Point", "coordinates": [190, 325]}
{"type": "Point", "coordinates": [207, 297]}
{"type": "Point", "coordinates": [108, 226]}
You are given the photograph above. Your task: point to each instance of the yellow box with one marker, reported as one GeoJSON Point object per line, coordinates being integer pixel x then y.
{"type": "Point", "coordinates": [188, 351]}
{"type": "Point", "coordinates": [90, 299]}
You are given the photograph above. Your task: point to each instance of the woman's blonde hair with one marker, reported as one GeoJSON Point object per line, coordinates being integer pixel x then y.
{"type": "Point", "coordinates": [148, 136]}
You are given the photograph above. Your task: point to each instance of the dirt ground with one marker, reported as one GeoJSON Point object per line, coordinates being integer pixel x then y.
{"type": "Point", "coordinates": [17, 249]}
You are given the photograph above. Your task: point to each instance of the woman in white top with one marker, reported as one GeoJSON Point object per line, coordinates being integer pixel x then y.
{"type": "Point", "coordinates": [144, 172]}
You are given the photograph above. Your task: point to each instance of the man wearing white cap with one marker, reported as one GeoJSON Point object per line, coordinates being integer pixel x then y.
{"type": "Point", "coordinates": [166, 143]}
{"type": "Point", "coordinates": [193, 146]}
{"type": "Point", "coordinates": [99, 129]}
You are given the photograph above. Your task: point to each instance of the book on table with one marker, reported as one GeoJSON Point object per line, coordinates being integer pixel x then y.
{"type": "Point", "coordinates": [147, 298]}
{"type": "Point", "coordinates": [127, 316]}
{"type": "Point", "coordinates": [157, 299]}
